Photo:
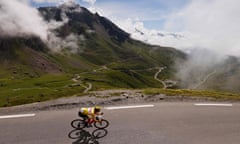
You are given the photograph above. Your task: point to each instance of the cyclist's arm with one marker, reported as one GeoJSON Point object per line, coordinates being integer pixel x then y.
{"type": "Point", "coordinates": [94, 117]}
{"type": "Point", "coordinates": [90, 116]}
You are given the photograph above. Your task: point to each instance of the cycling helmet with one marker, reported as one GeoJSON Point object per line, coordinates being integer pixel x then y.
{"type": "Point", "coordinates": [97, 108]}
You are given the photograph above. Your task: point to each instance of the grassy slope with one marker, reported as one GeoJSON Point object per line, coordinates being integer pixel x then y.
{"type": "Point", "coordinates": [195, 93]}
{"type": "Point", "coordinates": [28, 90]}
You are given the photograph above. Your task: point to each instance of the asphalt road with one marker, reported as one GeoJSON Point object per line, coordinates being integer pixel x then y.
{"type": "Point", "coordinates": [165, 123]}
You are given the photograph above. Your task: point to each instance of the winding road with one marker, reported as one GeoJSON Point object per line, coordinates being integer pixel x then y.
{"type": "Point", "coordinates": [78, 81]}
{"type": "Point", "coordinates": [204, 79]}
{"type": "Point", "coordinates": [156, 77]}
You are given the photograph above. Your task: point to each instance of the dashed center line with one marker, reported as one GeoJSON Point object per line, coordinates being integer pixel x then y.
{"type": "Point", "coordinates": [128, 107]}
{"type": "Point", "coordinates": [213, 104]}
{"type": "Point", "coordinates": [17, 116]}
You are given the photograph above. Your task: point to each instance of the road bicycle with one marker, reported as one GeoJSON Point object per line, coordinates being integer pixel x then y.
{"type": "Point", "coordinates": [98, 122]}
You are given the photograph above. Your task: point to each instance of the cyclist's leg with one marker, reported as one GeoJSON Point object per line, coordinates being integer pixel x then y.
{"type": "Point", "coordinates": [85, 117]}
{"type": "Point", "coordinates": [89, 121]}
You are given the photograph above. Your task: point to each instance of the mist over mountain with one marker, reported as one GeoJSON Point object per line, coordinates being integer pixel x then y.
{"type": "Point", "coordinates": [203, 66]}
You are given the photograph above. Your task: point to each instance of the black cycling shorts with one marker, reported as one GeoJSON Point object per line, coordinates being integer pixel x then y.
{"type": "Point", "coordinates": [82, 115]}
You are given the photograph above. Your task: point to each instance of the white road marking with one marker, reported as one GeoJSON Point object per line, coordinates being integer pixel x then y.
{"type": "Point", "coordinates": [17, 116]}
{"type": "Point", "coordinates": [128, 107]}
{"type": "Point", "coordinates": [213, 104]}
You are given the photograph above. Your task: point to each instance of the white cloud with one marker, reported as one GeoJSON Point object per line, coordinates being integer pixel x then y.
{"type": "Point", "coordinates": [138, 31]}
{"type": "Point", "coordinates": [71, 42]}
{"type": "Point", "coordinates": [214, 28]}
{"type": "Point", "coordinates": [18, 18]}
{"type": "Point", "coordinates": [214, 23]}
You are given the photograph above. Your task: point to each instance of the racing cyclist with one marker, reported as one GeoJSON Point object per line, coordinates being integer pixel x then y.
{"type": "Point", "coordinates": [89, 114]}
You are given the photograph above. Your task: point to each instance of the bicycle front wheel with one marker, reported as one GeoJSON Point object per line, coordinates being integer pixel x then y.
{"type": "Point", "coordinates": [101, 124]}
{"type": "Point", "coordinates": [78, 123]}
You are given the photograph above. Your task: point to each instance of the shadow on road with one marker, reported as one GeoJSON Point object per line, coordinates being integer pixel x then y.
{"type": "Point", "coordinates": [82, 136]}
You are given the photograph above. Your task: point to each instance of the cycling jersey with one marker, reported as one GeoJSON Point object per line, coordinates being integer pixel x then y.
{"type": "Point", "coordinates": [87, 111]}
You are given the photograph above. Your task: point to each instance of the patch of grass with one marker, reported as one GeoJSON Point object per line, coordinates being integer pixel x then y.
{"type": "Point", "coordinates": [197, 93]}
{"type": "Point", "coordinates": [23, 91]}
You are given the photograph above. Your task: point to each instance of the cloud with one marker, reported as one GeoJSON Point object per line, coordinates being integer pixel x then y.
{"type": "Point", "coordinates": [17, 18]}
{"type": "Point", "coordinates": [214, 29]}
{"type": "Point", "coordinates": [138, 31]}
{"type": "Point", "coordinates": [70, 42]}
{"type": "Point", "coordinates": [215, 24]}
{"type": "Point", "coordinates": [201, 64]}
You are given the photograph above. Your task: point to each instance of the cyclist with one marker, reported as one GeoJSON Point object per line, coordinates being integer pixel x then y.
{"type": "Point", "coordinates": [89, 114]}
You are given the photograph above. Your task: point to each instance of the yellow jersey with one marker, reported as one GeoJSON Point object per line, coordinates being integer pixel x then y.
{"type": "Point", "coordinates": [87, 111]}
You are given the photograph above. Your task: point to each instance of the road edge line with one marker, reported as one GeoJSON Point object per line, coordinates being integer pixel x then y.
{"type": "Point", "coordinates": [17, 116]}
{"type": "Point", "coordinates": [128, 107]}
{"type": "Point", "coordinates": [213, 104]}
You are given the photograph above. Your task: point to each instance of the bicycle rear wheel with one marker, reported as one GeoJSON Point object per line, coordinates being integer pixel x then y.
{"type": "Point", "coordinates": [102, 124]}
{"type": "Point", "coordinates": [78, 124]}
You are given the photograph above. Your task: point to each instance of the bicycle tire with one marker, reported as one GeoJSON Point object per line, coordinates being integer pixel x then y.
{"type": "Point", "coordinates": [101, 125]}
{"type": "Point", "coordinates": [75, 134]}
{"type": "Point", "coordinates": [78, 124]}
{"type": "Point", "coordinates": [99, 133]}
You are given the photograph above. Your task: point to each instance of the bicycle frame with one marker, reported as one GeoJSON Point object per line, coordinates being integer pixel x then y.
{"type": "Point", "coordinates": [98, 118]}
{"type": "Point", "coordinates": [97, 122]}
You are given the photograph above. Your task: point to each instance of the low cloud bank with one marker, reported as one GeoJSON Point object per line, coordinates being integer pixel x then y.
{"type": "Point", "coordinates": [214, 25]}
{"type": "Point", "coordinates": [199, 67]}
{"type": "Point", "coordinates": [214, 29]}
{"type": "Point", "coordinates": [18, 18]}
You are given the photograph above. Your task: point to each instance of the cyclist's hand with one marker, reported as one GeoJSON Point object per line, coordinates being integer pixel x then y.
{"type": "Point", "coordinates": [97, 118]}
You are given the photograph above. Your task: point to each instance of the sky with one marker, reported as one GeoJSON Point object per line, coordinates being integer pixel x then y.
{"type": "Point", "coordinates": [206, 24]}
